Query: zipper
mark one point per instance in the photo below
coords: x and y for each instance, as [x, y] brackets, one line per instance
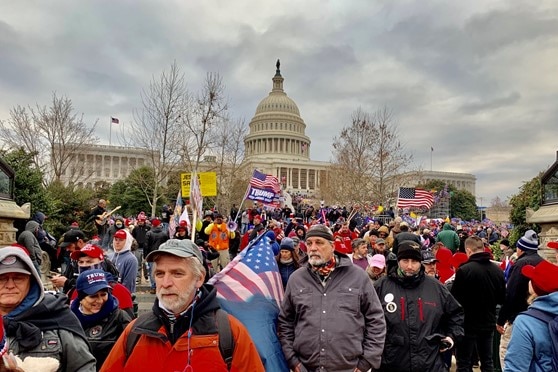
[421, 313]
[402, 304]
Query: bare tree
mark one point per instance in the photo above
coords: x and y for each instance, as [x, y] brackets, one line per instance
[51, 134]
[230, 150]
[157, 128]
[204, 114]
[369, 160]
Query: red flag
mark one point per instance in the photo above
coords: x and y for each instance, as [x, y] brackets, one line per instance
[114, 120]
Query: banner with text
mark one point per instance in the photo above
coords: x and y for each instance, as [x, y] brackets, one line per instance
[207, 181]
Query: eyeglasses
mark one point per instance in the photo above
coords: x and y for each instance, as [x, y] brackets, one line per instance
[18, 279]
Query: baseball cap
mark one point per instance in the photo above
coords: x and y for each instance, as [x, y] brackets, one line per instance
[378, 260]
[92, 281]
[91, 250]
[13, 264]
[428, 257]
[380, 241]
[180, 248]
[120, 234]
[72, 236]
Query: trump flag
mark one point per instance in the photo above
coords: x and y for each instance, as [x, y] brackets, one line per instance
[250, 289]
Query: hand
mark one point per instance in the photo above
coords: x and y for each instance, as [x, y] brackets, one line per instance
[447, 340]
[297, 368]
[58, 281]
[501, 329]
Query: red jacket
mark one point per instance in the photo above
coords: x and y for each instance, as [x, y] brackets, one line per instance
[154, 352]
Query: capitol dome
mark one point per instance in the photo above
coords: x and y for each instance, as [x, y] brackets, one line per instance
[277, 130]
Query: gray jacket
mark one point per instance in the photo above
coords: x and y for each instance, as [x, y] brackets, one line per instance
[28, 239]
[338, 326]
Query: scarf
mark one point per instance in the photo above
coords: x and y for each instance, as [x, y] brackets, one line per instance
[89, 320]
[326, 268]
[285, 262]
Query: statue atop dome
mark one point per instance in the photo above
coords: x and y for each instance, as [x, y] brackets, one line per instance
[278, 65]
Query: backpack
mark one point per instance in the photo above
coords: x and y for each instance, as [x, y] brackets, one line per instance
[552, 321]
[226, 341]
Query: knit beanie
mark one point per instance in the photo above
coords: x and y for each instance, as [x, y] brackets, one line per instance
[529, 241]
[287, 244]
[320, 230]
[409, 249]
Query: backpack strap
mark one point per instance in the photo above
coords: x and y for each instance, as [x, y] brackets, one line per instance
[540, 315]
[226, 341]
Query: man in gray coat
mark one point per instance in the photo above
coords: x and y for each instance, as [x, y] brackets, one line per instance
[331, 317]
[28, 239]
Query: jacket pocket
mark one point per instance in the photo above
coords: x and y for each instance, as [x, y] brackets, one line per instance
[348, 300]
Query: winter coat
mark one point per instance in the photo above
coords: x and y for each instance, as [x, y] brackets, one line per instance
[517, 288]
[530, 347]
[127, 264]
[154, 238]
[286, 270]
[28, 238]
[479, 305]
[139, 233]
[449, 238]
[42, 325]
[102, 329]
[416, 309]
[339, 325]
[165, 347]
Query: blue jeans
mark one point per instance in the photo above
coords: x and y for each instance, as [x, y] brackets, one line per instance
[151, 279]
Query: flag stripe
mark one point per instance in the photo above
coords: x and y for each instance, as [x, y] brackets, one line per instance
[265, 181]
[412, 197]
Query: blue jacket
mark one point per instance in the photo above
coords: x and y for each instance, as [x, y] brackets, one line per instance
[530, 348]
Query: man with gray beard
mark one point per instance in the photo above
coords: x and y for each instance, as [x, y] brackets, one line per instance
[331, 318]
[185, 328]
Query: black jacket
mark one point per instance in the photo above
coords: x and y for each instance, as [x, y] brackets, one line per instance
[420, 308]
[140, 234]
[154, 238]
[479, 286]
[517, 288]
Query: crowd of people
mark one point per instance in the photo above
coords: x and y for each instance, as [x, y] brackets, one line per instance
[376, 295]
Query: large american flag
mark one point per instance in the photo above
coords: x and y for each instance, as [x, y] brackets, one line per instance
[412, 197]
[250, 289]
[253, 272]
[260, 180]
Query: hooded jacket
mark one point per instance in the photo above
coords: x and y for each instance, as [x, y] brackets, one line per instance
[417, 309]
[42, 325]
[530, 347]
[126, 263]
[164, 344]
[449, 238]
[517, 288]
[28, 238]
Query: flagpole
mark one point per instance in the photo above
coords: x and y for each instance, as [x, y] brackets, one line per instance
[242, 202]
[110, 131]
[431, 151]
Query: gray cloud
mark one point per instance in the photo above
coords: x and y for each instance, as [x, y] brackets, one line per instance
[475, 80]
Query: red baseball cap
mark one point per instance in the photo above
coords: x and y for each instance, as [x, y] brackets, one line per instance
[91, 250]
[120, 234]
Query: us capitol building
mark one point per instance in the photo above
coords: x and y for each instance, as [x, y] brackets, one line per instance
[276, 144]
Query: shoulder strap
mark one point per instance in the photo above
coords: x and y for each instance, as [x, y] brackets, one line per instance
[540, 315]
[133, 337]
[226, 341]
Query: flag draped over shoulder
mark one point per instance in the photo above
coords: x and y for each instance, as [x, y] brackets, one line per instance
[411, 197]
[264, 188]
[250, 289]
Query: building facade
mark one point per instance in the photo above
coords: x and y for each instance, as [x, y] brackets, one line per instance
[277, 143]
[93, 164]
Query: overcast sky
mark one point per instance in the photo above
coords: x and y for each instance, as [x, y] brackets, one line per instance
[476, 80]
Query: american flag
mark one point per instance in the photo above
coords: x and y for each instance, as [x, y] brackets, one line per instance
[114, 120]
[175, 219]
[253, 271]
[250, 289]
[260, 180]
[412, 197]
